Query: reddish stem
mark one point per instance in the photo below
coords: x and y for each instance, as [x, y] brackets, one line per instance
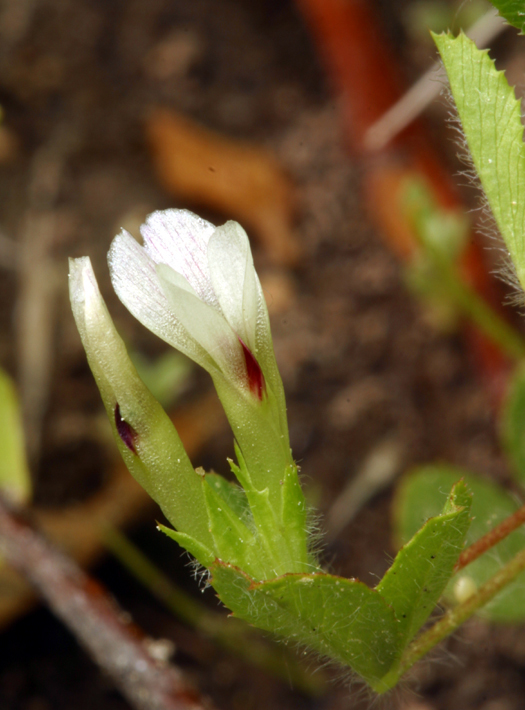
[497, 534]
[365, 74]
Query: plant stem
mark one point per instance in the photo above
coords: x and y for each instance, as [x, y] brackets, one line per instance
[497, 534]
[454, 618]
[231, 634]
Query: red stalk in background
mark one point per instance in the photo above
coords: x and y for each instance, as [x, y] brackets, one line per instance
[363, 71]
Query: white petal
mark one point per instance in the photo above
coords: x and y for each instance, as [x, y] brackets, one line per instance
[179, 239]
[87, 304]
[205, 324]
[166, 273]
[234, 279]
[137, 285]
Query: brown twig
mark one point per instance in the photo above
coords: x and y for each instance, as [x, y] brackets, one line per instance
[118, 646]
[500, 532]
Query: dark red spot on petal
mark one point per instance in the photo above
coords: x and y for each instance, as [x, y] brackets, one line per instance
[255, 375]
[125, 431]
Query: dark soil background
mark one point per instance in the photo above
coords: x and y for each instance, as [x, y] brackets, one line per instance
[365, 371]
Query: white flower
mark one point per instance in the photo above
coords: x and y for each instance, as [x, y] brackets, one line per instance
[195, 286]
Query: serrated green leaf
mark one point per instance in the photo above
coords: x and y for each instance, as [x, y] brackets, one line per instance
[513, 423]
[513, 11]
[423, 567]
[342, 619]
[491, 118]
[421, 495]
[15, 481]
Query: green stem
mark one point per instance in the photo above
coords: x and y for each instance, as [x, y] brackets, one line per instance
[231, 634]
[454, 618]
[477, 310]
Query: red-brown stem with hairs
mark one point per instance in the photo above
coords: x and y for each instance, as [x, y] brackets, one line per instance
[497, 534]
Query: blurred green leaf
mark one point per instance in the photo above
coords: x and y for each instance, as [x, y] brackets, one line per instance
[165, 376]
[15, 481]
[513, 423]
[513, 11]
[421, 495]
[434, 273]
[423, 567]
[439, 15]
[441, 231]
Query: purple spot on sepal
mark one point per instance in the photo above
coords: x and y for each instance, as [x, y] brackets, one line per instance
[125, 431]
[256, 381]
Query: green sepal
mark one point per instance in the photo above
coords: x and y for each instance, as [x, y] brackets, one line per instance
[294, 513]
[341, 619]
[234, 496]
[234, 541]
[423, 567]
[201, 553]
[284, 542]
[239, 469]
[260, 433]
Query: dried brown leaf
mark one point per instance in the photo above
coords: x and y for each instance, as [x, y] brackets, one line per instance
[237, 179]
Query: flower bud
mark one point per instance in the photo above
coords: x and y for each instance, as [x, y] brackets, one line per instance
[144, 433]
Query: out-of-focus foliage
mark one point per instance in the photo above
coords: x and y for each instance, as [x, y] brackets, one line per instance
[15, 481]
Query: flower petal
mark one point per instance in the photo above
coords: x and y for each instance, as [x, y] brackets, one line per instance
[137, 285]
[179, 239]
[234, 280]
[205, 324]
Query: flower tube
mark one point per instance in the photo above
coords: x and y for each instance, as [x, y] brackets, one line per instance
[195, 286]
